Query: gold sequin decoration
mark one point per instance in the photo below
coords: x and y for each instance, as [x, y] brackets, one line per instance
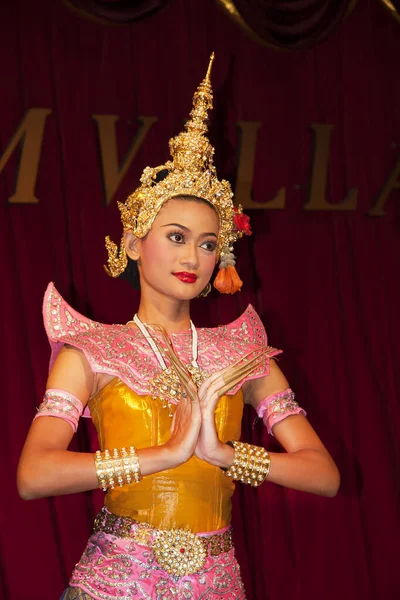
[251, 464]
[167, 387]
[179, 552]
[190, 172]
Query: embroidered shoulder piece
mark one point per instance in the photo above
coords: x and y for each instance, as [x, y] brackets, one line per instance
[121, 350]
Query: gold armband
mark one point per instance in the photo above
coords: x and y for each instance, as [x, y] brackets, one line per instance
[251, 464]
[117, 468]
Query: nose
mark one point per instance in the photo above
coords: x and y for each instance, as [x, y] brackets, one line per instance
[190, 257]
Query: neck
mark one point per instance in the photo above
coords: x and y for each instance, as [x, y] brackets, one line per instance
[173, 315]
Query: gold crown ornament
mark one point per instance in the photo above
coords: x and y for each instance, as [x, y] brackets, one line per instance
[190, 172]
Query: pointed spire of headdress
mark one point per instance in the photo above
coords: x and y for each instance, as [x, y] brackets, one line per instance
[191, 150]
[202, 103]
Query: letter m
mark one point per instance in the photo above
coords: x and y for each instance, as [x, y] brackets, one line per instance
[30, 136]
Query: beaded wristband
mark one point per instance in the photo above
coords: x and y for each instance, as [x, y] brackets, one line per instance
[118, 468]
[251, 464]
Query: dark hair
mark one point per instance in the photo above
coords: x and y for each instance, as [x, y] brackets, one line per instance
[131, 273]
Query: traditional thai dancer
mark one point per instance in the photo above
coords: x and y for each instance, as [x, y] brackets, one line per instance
[167, 398]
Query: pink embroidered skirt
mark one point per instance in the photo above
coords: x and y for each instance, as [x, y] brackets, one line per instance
[115, 567]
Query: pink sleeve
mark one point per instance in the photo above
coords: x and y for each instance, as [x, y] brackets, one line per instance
[277, 407]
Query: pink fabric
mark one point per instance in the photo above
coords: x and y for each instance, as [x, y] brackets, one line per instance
[61, 404]
[113, 567]
[277, 407]
[109, 348]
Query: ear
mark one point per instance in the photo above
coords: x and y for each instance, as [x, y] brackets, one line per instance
[132, 245]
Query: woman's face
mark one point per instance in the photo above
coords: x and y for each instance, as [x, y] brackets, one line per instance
[178, 255]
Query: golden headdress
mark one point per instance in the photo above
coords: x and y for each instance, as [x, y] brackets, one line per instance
[190, 172]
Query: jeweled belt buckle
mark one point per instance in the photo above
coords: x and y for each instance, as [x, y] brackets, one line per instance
[179, 551]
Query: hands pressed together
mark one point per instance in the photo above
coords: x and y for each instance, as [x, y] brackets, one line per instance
[193, 430]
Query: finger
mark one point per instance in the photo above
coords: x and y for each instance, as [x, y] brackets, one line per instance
[243, 370]
[231, 374]
[207, 383]
[247, 359]
[190, 390]
[173, 358]
[209, 395]
[172, 428]
[230, 384]
[228, 378]
[176, 365]
[225, 382]
[257, 354]
[251, 361]
[196, 417]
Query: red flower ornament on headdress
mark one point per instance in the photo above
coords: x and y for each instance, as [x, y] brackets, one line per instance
[241, 221]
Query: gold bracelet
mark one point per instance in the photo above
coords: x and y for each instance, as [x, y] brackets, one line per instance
[251, 464]
[118, 468]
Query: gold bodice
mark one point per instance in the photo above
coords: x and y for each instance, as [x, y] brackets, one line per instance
[196, 494]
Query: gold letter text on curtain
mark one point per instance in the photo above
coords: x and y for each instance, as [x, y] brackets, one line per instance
[393, 182]
[317, 199]
[30, 134]
[112, 173]
[245, 172]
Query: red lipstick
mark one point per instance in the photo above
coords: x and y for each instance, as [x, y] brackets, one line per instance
[186, 277]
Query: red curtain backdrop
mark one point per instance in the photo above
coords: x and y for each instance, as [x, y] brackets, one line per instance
[326, 284]
[117, 11]
[283, 24]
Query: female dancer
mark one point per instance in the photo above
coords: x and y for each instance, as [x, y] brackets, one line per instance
[166, 398]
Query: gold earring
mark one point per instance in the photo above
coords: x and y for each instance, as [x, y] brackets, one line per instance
[206, 291]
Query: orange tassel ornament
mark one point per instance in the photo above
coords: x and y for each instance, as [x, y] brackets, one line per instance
[228, 281]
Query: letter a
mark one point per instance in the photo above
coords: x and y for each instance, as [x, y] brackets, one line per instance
[392, 183]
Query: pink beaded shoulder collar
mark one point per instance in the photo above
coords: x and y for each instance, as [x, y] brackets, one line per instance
[121, 351]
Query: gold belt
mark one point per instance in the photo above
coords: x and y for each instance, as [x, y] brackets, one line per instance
[179, 551]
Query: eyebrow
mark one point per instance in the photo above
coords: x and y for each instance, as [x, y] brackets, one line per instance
[187, 228]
